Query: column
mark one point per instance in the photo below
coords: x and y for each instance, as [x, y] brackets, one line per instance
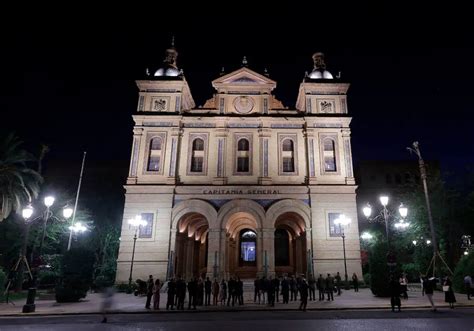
[346, 139]
[213, 252]
[133, 174]
[268, 238]
[189, 248]
[264, 141]
[172, 171]
[309, 136]
[221, 139]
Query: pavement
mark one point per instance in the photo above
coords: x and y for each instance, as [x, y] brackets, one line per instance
[128, 303]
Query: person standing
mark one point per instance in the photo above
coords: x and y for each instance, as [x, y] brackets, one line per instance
[171, 291]
[338, 283]
[207, 290]
[355, 282]
[192, 293]
[404, 286]
[303, 293]
[180, 293]
[330, 287]
[394, 289]
[468, 286]
[312, 288]
[149, 291]
[448, 292]
[223, 292]
[276, 286]
[429, 285]
[256, 288]
[107, 302]
[215, 292]
[285, 289]
[156, 294]
[321, 283]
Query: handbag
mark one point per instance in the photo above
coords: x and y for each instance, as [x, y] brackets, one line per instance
[445, 288]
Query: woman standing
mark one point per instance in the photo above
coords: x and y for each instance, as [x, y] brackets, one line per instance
[448, 292]
[156, 294]
[223, 292]
[215, 291]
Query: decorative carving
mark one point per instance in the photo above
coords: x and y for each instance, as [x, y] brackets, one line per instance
[276, 104]
[159, 103]
[210, 103]
[244, 104]
[326, 106]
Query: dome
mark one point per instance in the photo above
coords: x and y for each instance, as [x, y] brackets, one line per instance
[168, 72]
[320, 74]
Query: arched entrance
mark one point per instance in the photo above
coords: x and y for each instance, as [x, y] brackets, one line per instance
[191, 246]
[290, 244]
[242, 245]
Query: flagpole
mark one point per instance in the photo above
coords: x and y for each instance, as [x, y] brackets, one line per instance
[77, 199]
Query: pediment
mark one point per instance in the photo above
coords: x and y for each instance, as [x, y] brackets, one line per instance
[244, 77]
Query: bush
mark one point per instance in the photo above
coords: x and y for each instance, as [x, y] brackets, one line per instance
[379, 271]
[464, 267]
[77, 268]
[103, 281]
[123, 287]
[3, 280]
[48, 279]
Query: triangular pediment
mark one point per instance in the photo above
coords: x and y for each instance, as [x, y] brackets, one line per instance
[244, 77]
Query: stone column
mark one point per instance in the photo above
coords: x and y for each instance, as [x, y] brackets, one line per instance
[268, 238]
[309, 137]
[133, 173]
[213, 253]
[172, 171]
[264, 141]
[346, 139]
[189, 257]
[171, 271]
[221, 138]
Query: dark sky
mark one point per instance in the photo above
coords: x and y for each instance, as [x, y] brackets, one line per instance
[73, 87]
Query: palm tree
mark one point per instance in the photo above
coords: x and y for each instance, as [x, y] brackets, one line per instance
[18, 183]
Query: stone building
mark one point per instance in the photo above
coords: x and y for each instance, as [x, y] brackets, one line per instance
[241, 186]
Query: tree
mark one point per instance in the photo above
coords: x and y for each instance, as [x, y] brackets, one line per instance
[18, 183]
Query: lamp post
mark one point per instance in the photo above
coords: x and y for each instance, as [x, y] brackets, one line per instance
[30, 306]
[48, 202]
[134, 223]
[76, 228]
[384, 215]
[343, 221]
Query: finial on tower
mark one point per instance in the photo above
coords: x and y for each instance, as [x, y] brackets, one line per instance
[172, 41]
[244, 62]
[222, 71]
[266, 73]
[319, 69]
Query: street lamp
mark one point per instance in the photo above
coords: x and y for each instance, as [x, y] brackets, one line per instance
[366, 236]
[76, 228]
[384, 215]
[48, 202]
[135, 223]
[30, 306]
[343, 221]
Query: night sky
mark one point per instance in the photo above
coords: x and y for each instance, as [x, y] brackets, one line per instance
[78, 92]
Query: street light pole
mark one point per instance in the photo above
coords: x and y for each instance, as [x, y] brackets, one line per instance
[48, 202]
[77, 199]
[344, 249]
[343, 221]
[133, 257]
[136, 223]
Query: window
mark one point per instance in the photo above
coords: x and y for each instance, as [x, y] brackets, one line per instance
[248, 244]
[334, 229]
[197, 157]
[282, 248]
[154, 156]
[243, 155]
[329, 151]
[147, 230]
[288, 157]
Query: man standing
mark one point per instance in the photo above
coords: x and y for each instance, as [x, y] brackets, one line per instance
[338, 283]
[355, 282]
[312, 288]
[330, 287]
[429, 285]
[149, 291]
[303, 293]
[321, 283]
[468, 286]
[207, 289]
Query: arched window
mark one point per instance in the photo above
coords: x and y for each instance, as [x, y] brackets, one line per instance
[243, 155]
[282, 248]
[288, 156]
[329, 148]
[197, 157]
[154, 156]
[248, 246]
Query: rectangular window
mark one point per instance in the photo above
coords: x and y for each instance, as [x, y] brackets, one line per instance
[288, 164]
[147, 230]
[242, 164]
[334, 229]
[247, 251]
[329, 163]
[197, 164]
[154, 163]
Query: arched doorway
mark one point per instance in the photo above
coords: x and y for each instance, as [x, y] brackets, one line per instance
[191, 246]
[242, 245]
[290, 245]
